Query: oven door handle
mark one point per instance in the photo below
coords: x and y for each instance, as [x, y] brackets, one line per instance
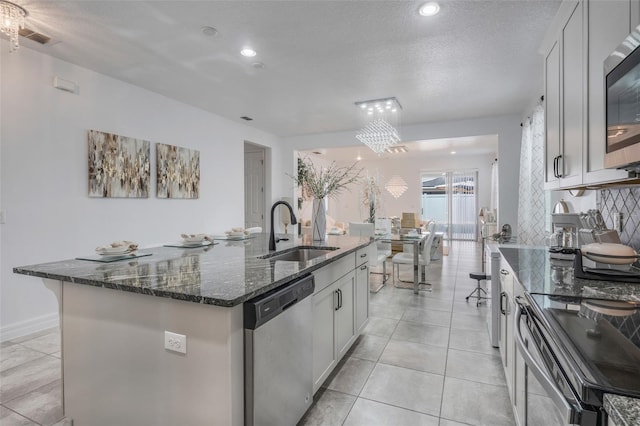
[559, 399]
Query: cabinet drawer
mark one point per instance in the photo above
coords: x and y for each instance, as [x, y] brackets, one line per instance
[364, 255]
[333, 272]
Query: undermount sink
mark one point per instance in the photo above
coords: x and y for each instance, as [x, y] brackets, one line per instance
[299, 254]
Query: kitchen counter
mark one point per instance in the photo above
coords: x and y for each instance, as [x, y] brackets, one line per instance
[541, 275]
[226, 274]
[622, 411]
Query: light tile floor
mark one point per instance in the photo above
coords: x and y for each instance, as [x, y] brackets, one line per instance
[423, 359]
[31, 380]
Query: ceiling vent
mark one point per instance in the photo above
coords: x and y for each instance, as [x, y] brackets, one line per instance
[397, 149]
[32, 35]
[245, 118]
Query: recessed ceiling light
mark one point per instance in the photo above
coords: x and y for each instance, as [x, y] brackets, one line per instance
[209, 31]
[258, 65]
[429, 9]
[453, 152]
[358, 158]
[248, 52]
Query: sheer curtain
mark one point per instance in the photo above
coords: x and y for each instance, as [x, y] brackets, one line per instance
[494, 186]
[531, 204]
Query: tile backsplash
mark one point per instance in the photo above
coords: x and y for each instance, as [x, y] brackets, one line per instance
[611, 202]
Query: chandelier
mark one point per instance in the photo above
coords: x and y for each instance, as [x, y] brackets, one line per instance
[396, 186]
[380, 118]
[12, 19]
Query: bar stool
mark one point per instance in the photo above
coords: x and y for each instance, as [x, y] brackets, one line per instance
[478, 291]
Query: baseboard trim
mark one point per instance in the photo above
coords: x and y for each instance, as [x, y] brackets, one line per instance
[23, 328]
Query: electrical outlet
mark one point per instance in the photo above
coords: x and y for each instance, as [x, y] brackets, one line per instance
[175, 342]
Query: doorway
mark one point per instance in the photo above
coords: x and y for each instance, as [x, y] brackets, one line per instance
[450, 198]
[254, 185]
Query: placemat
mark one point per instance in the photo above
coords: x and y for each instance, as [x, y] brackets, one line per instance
[109, 259]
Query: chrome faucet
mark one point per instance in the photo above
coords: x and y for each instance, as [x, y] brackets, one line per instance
[272, 240]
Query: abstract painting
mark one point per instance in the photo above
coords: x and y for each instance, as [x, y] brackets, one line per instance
[119, 166]
[178, 172]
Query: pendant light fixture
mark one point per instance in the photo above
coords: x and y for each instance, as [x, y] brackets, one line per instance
[12, 19]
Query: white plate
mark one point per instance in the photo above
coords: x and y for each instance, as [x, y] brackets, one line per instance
[615, 254]
[195, 244]
[193, 238]
[617, 308]
[113, 251]
[109, 256]
[234, 234]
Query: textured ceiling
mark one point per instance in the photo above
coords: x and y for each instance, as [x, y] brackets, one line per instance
[474, 59]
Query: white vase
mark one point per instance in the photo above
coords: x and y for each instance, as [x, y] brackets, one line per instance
[319, 220]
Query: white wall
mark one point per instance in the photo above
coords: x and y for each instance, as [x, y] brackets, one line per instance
[509, 140]
[44, 174]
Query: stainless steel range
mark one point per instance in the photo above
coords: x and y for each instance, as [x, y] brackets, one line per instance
[578, 339]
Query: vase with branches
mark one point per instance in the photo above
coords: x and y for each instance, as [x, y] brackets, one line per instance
[371, 197]
[321, 182]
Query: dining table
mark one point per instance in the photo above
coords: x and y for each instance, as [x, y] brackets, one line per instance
[418, 240]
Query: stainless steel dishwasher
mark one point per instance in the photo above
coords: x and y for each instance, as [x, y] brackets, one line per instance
[278, 354]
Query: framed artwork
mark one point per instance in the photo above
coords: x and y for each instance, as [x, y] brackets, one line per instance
[119, 166]
[178, 172]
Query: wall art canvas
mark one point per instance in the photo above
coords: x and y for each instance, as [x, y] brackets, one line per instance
[119, 167]
[178, 172]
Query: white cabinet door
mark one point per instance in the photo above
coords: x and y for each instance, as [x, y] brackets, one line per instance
[507, 345]
[519, 370]
[572, 99]
[609, 23]
[345, 315]
[552, 115]
[324, 353]
[362, 297]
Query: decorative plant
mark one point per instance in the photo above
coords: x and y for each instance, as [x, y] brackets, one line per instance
[371, 196]
[321, 182]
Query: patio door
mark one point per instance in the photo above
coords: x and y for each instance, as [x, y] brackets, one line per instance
[450, 198]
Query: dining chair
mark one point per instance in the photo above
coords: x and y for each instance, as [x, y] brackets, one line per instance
[357, 229]
[406, 258]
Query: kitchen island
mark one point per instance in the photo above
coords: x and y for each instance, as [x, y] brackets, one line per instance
[113, 317]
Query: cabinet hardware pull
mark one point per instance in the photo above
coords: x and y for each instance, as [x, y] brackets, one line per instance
[339, 299]
[502, 296]
[363, 267]
[504, 272]
[363, 255]
[555, 167]
[336, 303]
[559, 172]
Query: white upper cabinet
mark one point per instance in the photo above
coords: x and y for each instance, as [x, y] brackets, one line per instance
[564, 111]
[581, 37]
[609, 22]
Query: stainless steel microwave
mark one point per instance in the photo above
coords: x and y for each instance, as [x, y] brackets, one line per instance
[622, 94]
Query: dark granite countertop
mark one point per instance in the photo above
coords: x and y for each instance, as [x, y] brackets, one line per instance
[622, 410]
[226, 274]
[539, 274]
